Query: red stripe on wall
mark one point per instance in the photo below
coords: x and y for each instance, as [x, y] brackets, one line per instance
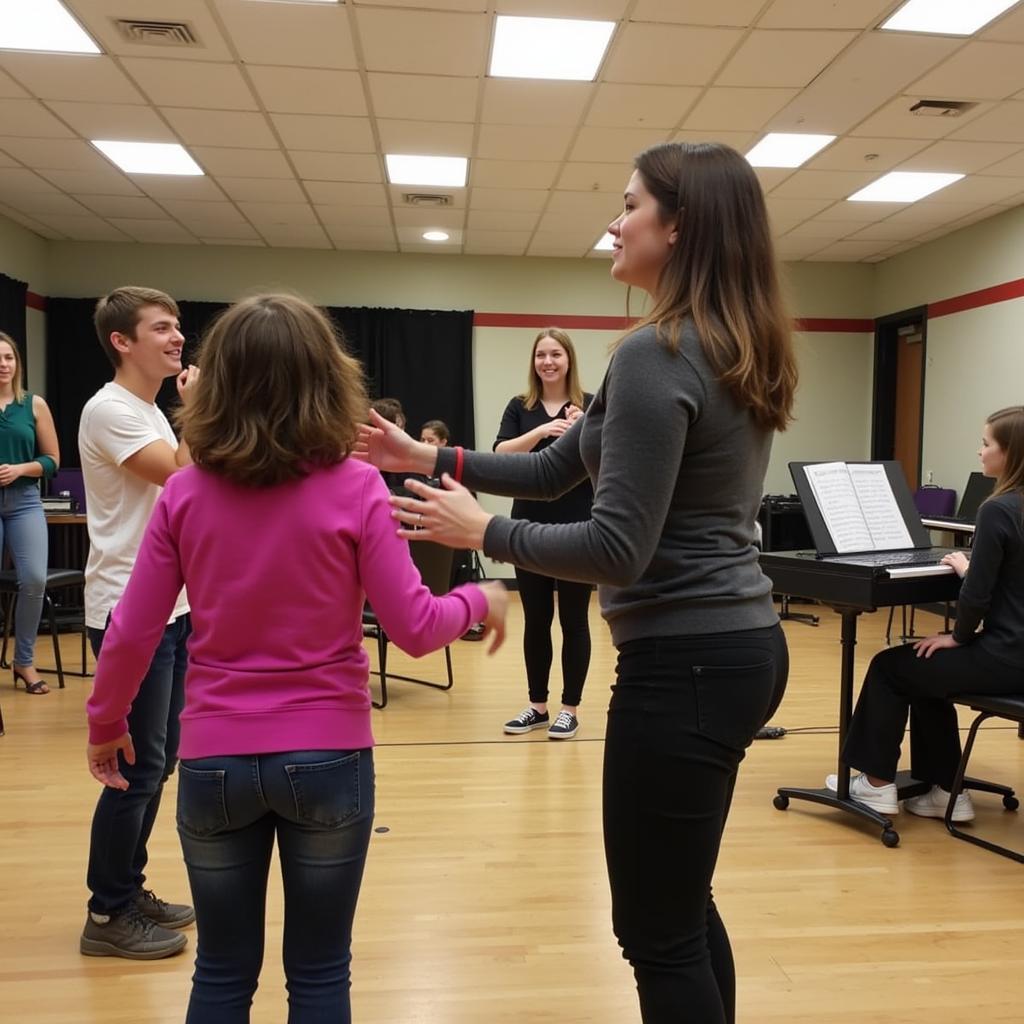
[834, 325]
[34, 301]
[973, 300]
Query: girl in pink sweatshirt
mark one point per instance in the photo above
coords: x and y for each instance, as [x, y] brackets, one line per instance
[279, 538]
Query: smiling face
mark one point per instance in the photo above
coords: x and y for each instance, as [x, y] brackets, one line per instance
[155, 349]
[550, 362]
[641, 241]
[993, 457]
[8, 364]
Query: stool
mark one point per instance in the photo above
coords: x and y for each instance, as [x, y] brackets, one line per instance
[56, 579]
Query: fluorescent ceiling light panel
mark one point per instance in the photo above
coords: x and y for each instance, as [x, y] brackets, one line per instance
[558, 48]
[903, 187]
[148, 157]
[605, 244]
[449, 171]
[42, 25]
[948, 17]
[785, 149]
[436, 236]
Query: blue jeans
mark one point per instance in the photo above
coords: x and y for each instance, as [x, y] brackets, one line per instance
[123, 819]
[319, 805]
[23, 528]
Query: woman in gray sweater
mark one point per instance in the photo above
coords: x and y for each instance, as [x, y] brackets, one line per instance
[676, 443]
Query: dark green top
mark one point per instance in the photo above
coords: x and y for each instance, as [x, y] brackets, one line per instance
[18, 442]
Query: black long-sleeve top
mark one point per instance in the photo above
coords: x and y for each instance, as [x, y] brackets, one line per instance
[993, 588]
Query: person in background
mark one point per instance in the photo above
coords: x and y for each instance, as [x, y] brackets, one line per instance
[435, 432]
[552, 402]
[28, 453]
[391, 410]
[917, 679]
[676, 442]
[280, 537]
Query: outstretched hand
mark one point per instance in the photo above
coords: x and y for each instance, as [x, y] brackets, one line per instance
[103, 764]
[385, 445]
[497, 609]
[449, 516]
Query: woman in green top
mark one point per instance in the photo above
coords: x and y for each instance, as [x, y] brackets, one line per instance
[28, 452]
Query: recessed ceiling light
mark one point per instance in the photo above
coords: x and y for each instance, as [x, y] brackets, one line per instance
[426, 170]
[44, 25]
[436, 236]
[559, 48]
[786, 149]
[148, 157]
[948, 17]
[606, 243]
[903, 187]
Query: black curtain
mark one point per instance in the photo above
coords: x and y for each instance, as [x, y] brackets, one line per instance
[12, 315]
[422, 357]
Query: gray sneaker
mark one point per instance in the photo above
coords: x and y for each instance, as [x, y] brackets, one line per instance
[167, 915]
[129, 934]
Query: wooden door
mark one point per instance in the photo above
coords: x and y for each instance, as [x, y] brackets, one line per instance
[909, 388]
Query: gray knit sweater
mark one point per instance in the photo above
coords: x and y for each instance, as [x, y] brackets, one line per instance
[678, 470]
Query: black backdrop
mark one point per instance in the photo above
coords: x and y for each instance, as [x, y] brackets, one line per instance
[12, 314]
[422, 357]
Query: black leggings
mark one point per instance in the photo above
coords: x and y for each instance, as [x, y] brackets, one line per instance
[538, 596]
[683, 711]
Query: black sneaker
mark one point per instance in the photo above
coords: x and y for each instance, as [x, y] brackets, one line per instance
[526, 720]
[129, 934]
[474, 632]
[564, 726]
[167, 915]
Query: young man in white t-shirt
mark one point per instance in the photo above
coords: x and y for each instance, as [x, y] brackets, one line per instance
[128, 451]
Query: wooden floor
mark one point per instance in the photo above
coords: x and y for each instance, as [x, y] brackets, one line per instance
[485, 899]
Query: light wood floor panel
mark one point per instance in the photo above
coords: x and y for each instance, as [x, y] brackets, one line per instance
[486, 899]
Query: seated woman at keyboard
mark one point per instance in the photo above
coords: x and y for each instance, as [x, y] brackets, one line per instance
[917, 679]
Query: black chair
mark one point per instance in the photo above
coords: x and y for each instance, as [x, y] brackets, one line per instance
[56, 579]
[1008, 707]
[434, 562]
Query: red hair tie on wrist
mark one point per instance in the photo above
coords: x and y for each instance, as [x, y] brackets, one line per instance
[458, 463]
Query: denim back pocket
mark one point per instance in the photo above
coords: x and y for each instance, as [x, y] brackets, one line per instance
[202, 809]
[733, 700]
[326, 793]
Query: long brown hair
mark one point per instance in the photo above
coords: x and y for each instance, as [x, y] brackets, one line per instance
[17, 382]
[1007, 429]
[722, 273]
[277, 393]
[534, 386]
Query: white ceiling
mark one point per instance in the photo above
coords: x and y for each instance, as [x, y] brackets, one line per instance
[288, 107]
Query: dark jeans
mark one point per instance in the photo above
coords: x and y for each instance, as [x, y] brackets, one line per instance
[683, 711]
[123, 819]
[898, 682]
[319, 805]
[537, 594]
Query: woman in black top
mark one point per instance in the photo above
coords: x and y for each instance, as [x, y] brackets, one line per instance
[553, 401]
[918, 679]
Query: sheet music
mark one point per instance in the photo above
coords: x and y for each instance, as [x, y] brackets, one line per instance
[837, 500]
[881, 513]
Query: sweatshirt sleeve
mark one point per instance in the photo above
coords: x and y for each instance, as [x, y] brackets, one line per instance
[412, 617]
[651, 396]
[136, 626]
[990, 537]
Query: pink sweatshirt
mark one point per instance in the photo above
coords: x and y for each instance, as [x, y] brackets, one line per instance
[276, 579]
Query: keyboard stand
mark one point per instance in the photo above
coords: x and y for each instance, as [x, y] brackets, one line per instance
[787, 616]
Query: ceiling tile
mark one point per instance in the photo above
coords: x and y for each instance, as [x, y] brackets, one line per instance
[410, 217]
[848, 250]
[309, 90]
[429, 138]
[697, 12]
[88, 229]
[263, 190]
[394, 41]
[297, 236]
[640, 106]
[557, 243]
[517, 101]
[55, 154]
[895, 120]
[889, 231]
[123, 206]
[397, 194]
[737, 109]
[526, 200]
[1013, 167]
[819, 227]
[295, 35]
[356, 237]
[669, 54]
[512, 173]
[596, 177]
[337, 166]
[344, 192]
[815, 14]
[5, 160]
[193, 210]
[823, 184]
[330, 134]
[978, 71]
[787, 213]
[112, 121]
[30, 119]
[978, 188]
[782, 58]
[1010, 27]
[770, 177]
[1003, 124]
[65, 76]
[175, 186]
[959, 157]
[501, 220]
[341, 243]
[347, 216]
[496, 243]
[594, 207]
[423, 97]
[602, 10]
[252, 242]
[279, 215]
[507, 142]
[855, 154]
[862, 213]
[161, 231]
[201, 84]
[236, 231]
[47, 202]
[18, 180]
[97, 183]
[597, 145]
[740, 141]
[242, 163]
[9, 88]
[211, 127]
[434, 5]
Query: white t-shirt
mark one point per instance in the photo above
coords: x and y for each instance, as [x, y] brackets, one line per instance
[116, 424]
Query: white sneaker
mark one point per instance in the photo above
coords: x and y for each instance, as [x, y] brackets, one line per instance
[883, 799]
[933, 805]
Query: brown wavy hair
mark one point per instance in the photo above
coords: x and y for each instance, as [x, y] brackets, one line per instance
[277, 394]
[1007, 429]
[17, 378]
[534, 387]
[119, 312]
[722, 274]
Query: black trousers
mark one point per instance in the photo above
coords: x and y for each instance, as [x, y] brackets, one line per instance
[683, 712]
[537, 594]
[898, 682]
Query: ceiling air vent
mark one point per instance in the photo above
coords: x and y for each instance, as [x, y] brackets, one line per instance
[427, 199]
[156, 33]
[941, 108]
